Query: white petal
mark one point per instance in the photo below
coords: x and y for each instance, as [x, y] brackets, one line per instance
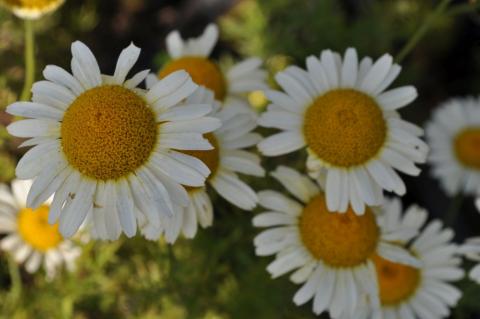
[230, 187]
[349, 68]
[177, 170]
[47, 182]
[377, 73]
[178, 85]
[34, 110]
[69, 186]
[298, 185]
[127, 59]
[134, 81]
[84, 66]
[397, 98]
[74, 214]
[185, 112]
[34, 127]
[125, 208]
[156, 190]
[174, 44]
[61, 77]
[281, 143]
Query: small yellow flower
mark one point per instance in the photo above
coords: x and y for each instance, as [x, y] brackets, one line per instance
[31, 9]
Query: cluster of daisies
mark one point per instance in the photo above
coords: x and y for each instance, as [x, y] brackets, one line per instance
[125, 154]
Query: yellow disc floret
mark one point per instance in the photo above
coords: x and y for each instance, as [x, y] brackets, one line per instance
[397, 282]
[467, 147]
[211, 158]
[338, 239]
[203, 72]
[35, 230]
[108, 132]
[345, 128]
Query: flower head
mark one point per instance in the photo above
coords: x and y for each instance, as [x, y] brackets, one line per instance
[423, 292]
[108, 150]
[454, 136]
[30, 239]
[339, 110]
[193, 56]
[332, 254]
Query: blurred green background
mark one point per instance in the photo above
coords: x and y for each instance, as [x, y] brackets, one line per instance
[216, 275]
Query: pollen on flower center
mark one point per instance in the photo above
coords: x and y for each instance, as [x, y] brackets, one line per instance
[203, 72]
[345, 127]
[211, 158]
[338, 239]
[108, 132]
[397, 282]
[467, 147]
[34, 228]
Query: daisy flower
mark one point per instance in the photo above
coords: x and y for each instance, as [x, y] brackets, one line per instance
[339, 110]
[333, 254]
[416, 293]
[29, 238]
[454, 136]
[471, 250]
[229, 86]
[31, 9]
[108, 149]
[224, 161]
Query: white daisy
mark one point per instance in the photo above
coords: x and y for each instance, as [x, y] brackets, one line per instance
[355, 138]
[332, 253]
[30, 239]
[107, 149]
[224, 161]
[229, 86]
[31, 9]
[416, 293]
[454, 137]
[471, 250]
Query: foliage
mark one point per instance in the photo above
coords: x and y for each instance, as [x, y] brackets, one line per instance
[217, 275]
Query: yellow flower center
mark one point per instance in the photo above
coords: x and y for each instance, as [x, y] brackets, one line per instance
[338, 239]
[108, 132]
[203, 72]
[467, 147]
[345, 127]
[32, 4]
[211, 158]
[35, 230]
[397, 282]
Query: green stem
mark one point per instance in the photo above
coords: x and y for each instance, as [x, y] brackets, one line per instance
[451, 214]
[29, 60]
[16, 284]
[422, 30]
